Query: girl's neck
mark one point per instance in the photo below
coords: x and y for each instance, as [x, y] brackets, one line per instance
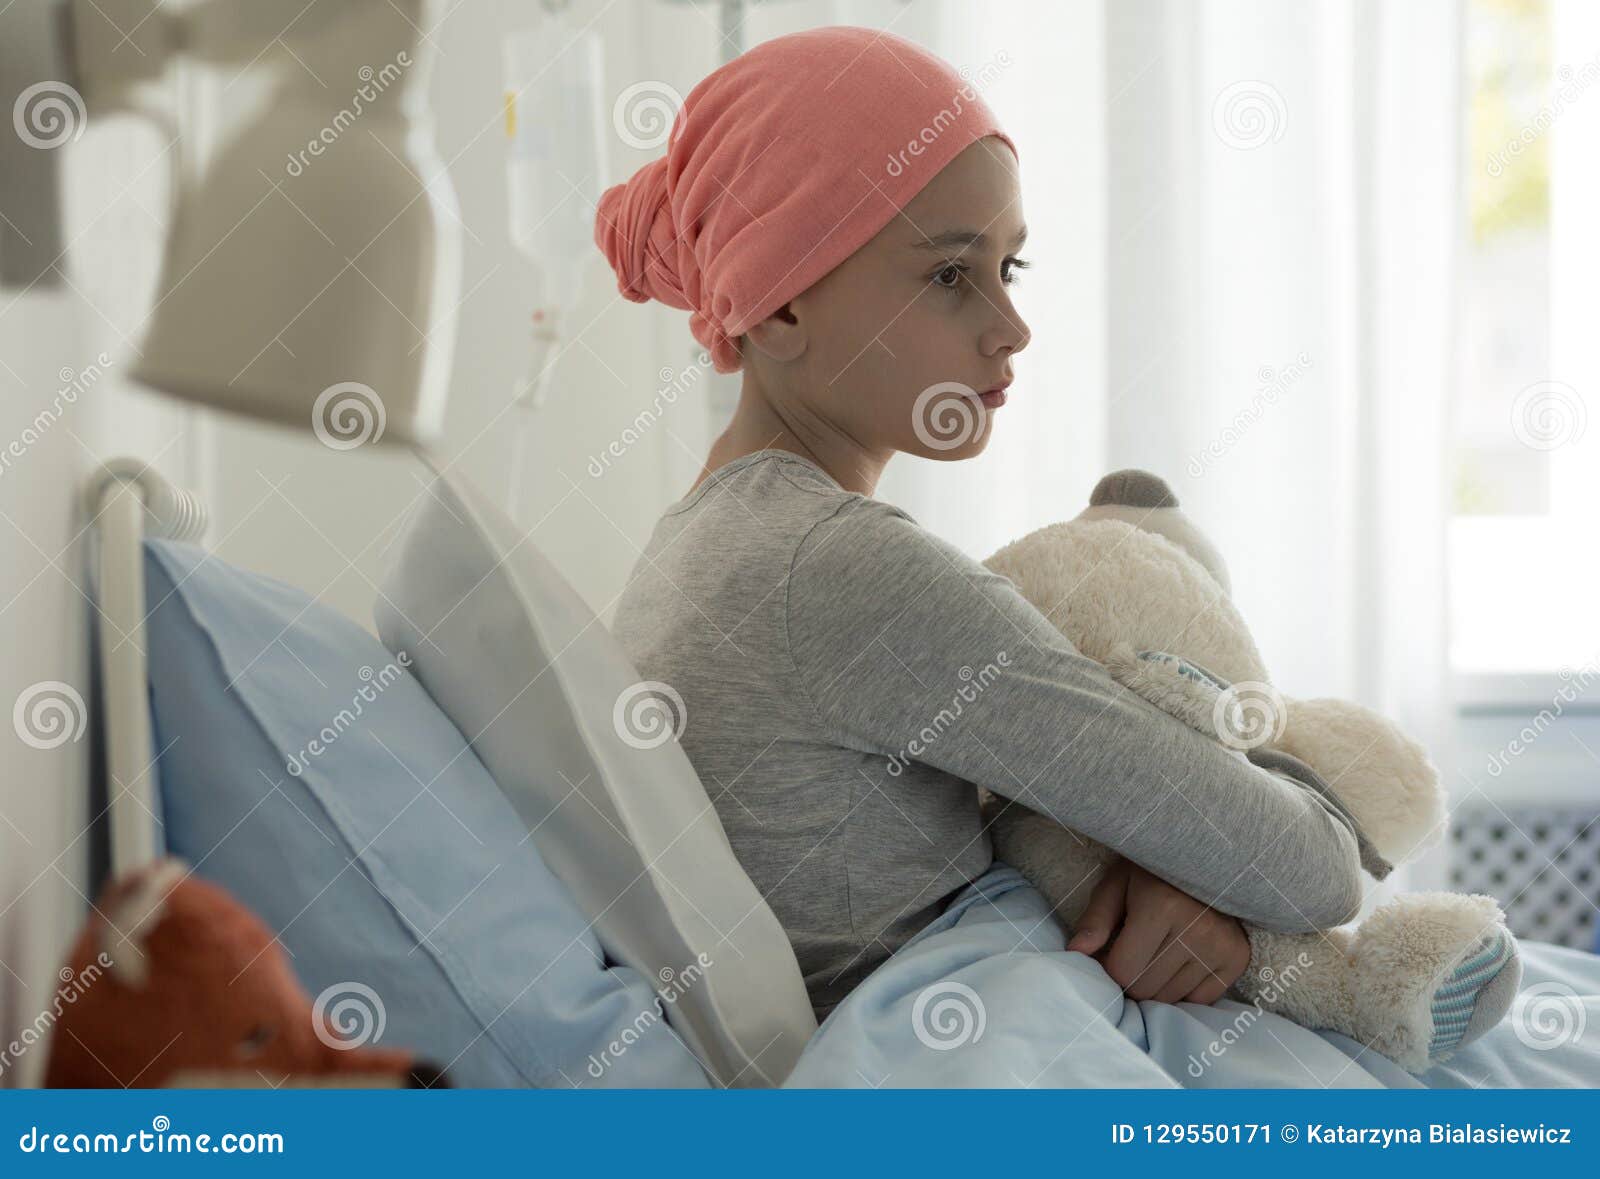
[757, 424]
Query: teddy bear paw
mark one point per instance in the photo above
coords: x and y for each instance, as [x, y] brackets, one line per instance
[1432, 972]
[1474, 995]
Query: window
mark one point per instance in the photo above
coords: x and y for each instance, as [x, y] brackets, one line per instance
[1524, 547]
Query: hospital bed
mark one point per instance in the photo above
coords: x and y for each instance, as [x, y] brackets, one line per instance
[484, 826]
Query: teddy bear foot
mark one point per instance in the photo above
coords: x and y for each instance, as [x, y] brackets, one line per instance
[1462, 968]
[1477, 995]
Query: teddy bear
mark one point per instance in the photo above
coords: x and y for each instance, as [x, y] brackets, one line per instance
[175, 983]
[1135, 586]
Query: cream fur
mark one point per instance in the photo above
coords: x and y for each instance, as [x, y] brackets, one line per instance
[1115, 589]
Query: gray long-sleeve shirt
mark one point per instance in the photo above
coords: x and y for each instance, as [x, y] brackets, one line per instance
[848, 677]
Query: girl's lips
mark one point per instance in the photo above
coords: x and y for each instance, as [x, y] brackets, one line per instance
[993, 398]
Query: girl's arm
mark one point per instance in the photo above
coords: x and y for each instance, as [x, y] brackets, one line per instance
[908, 648]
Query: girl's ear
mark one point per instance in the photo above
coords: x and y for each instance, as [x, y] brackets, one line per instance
[781, 335]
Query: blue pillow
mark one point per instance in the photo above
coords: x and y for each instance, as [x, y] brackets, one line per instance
[304, 769]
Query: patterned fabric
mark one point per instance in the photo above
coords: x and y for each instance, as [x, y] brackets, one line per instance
[1453, 1002]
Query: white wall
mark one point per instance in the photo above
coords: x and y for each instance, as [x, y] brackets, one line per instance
[52, 435]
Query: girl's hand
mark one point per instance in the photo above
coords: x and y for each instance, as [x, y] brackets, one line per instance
[1163, 944]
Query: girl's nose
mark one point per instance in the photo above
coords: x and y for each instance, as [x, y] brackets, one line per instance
[1009, 330]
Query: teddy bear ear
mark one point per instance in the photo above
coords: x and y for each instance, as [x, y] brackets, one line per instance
[132, 909]
[1147, 501]
[1133, 488]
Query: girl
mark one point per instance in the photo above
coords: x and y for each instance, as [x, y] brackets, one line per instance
[840, 214]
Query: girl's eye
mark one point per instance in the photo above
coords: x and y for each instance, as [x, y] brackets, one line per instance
[953, 274]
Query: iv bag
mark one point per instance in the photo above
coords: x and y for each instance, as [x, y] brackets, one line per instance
[555, 112]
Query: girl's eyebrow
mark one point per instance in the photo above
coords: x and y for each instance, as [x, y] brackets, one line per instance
[962, 238]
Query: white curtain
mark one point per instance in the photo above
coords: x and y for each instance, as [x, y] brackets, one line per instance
[1265, 199]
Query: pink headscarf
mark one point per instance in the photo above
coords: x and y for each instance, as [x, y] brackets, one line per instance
[779, 166]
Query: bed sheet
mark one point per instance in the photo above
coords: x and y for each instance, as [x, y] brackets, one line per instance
[987, 996]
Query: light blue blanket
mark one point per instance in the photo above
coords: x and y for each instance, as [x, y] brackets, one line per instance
[987, 995]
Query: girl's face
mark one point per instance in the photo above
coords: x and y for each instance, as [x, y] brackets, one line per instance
[898, 343]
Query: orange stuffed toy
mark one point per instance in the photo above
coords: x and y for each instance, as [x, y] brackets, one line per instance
[180, 984]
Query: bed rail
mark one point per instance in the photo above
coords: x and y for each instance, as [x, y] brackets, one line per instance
[127, 501]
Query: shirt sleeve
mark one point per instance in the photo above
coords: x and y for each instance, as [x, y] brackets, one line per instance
[908, 648]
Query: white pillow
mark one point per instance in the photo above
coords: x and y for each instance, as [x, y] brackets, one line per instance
[524, 668]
